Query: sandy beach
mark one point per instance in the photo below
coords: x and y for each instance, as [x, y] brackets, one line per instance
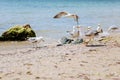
[53, 20]
[67, 62]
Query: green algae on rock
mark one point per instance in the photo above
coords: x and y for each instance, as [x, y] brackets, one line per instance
[18, 33]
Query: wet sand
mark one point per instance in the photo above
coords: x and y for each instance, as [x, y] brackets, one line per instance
[67, 62]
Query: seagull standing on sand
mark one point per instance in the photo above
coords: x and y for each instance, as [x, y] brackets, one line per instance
[88, 29]
[99, 29]
[113, 28]
[35, 41]
[74, 33]
[92, 33]
[66, 14]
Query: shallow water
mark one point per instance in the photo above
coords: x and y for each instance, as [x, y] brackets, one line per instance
[16, 45]
[13, 45]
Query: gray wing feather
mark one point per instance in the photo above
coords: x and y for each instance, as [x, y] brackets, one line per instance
[60, 14]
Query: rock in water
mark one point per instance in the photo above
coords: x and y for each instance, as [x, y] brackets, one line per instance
[18, 33]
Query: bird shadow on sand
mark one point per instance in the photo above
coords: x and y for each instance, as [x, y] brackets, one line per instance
[95, 45]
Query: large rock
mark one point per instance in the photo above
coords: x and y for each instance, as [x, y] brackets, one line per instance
[18, 33]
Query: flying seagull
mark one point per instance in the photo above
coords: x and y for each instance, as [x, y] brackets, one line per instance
[66, 14]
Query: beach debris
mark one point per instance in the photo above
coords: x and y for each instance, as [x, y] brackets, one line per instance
[59, 45]
[29, 73]
[18, 33]
[37, 77]
[66, 14]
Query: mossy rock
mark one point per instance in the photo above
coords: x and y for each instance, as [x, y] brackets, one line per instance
[18, 33]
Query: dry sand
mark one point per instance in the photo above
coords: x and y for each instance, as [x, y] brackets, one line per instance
[67, 62]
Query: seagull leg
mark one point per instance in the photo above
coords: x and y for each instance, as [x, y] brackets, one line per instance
[39, 45]
[36, 45]
[33, 45]
[91, 40]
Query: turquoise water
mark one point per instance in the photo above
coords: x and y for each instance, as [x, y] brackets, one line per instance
[39, 14]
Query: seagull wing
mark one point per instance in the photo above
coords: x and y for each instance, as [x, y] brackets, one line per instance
[89, 33]
[60, 14]
[74, 16]
[112, 28]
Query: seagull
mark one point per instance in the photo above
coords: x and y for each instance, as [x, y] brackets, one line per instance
[66, 14]
[112, 28]
[75, 33]
[93, 33]
[35, 40]
[88, 29]
[99, 29]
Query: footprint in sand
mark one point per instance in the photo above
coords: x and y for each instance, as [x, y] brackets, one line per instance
[29, 73]
[115, 78]
[37, 77]
[117, 62]
[20, 73]
[28, 64]
[16, 79]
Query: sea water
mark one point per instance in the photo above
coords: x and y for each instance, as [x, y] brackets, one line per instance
[39, 14]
